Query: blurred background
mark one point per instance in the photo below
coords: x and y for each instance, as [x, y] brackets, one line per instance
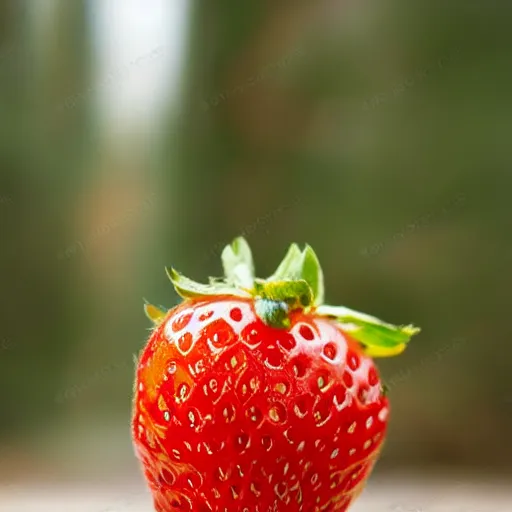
[135, 134]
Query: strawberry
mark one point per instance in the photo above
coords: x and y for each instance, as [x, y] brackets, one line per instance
[254, 396]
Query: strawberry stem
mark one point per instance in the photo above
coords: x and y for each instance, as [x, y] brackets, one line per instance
[273, 313]
[275, 299]
[297, 283]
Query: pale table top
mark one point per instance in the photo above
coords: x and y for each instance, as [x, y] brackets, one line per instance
[397, 494]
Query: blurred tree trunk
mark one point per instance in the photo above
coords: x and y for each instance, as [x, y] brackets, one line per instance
[41, 143]
[231, 147]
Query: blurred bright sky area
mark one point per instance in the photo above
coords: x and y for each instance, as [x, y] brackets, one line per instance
[138, 48]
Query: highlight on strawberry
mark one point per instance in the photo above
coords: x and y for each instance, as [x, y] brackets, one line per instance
[252, 395]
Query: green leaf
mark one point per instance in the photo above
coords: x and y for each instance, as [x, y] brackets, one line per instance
[303, 265]
[289, 268]
[189, 289]
[379, 338]
[155, 314]
[238, 264]
[311, 272]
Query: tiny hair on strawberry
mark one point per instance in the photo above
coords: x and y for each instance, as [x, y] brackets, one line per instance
[253, 395]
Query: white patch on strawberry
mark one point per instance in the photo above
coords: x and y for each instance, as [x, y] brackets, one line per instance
[202, 316]
[383, 414]
[361, 377]
[345, 403]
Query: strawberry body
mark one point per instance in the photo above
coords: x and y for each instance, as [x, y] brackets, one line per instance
[233, 414]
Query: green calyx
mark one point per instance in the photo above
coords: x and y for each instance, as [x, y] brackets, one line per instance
[297, 284]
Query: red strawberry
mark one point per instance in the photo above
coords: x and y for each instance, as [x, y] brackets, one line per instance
[252, 396]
